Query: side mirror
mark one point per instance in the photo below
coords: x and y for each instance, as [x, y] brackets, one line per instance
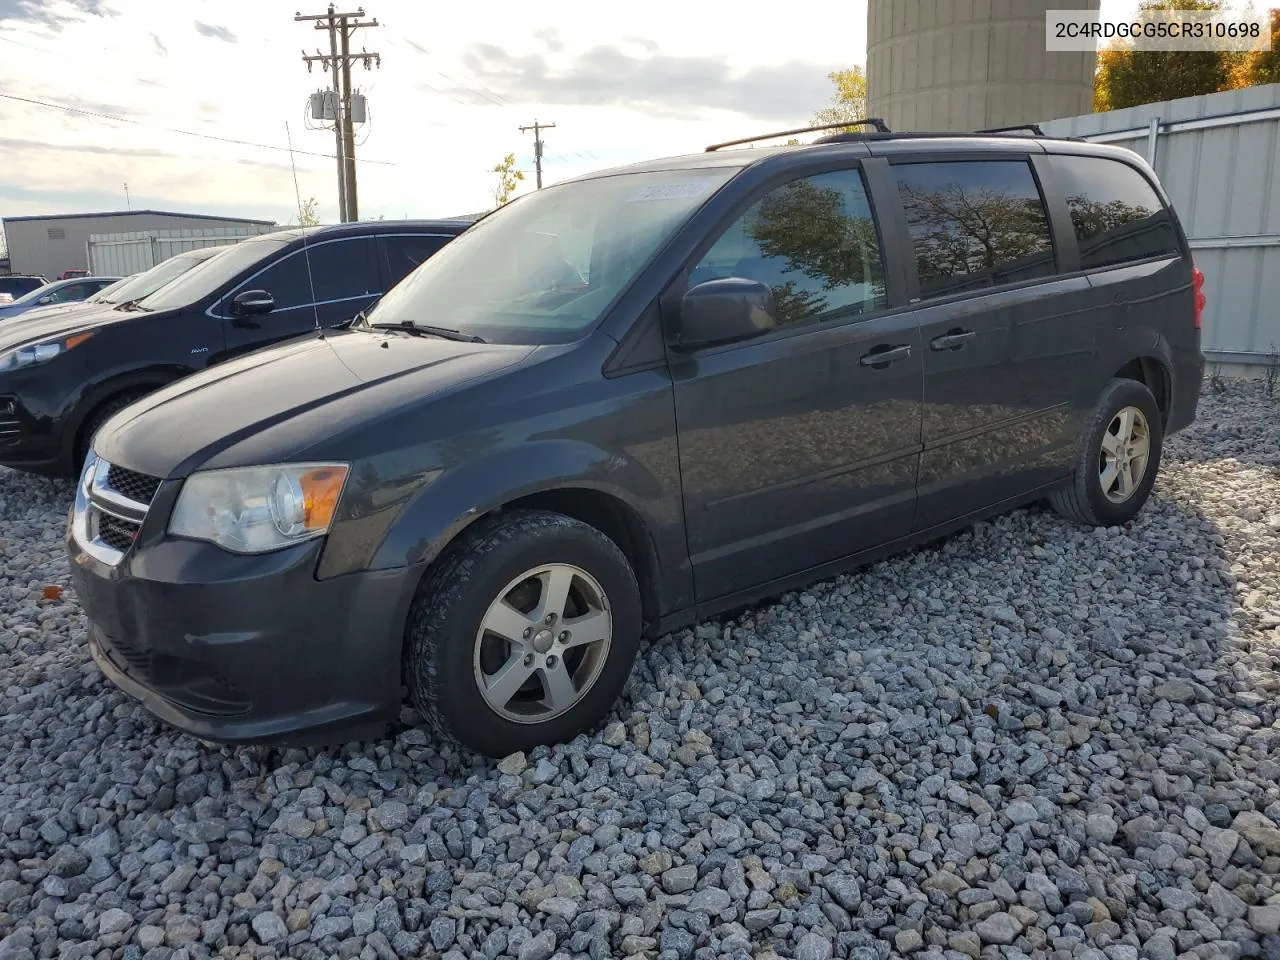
[48, 298]
[249, 303]
[722, 311]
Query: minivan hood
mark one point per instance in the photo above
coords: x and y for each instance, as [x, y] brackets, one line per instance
[17, 331]
[268, 405]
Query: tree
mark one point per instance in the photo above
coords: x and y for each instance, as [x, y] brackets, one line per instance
[508, 179]
[307, 216]
[1127, 78]
[958, 231]
[849, 102]
[1261, 66]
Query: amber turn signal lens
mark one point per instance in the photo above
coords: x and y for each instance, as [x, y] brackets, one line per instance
[321, 489]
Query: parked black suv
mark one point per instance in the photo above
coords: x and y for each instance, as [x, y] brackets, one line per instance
[61, 376]
[622, 404]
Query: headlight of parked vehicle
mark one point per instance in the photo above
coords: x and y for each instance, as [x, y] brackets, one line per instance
[259, 509]
[36, 353]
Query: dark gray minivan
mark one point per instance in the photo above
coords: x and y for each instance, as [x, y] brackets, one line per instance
[625, 403]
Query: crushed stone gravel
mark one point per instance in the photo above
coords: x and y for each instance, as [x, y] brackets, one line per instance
[1030, 740]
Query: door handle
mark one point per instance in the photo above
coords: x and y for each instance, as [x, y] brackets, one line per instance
[953, 339]
[883, 355]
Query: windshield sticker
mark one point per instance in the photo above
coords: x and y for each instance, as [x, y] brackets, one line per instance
[687, 190]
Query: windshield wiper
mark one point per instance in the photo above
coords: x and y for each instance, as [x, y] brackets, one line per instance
[130, 305]
[444, 333]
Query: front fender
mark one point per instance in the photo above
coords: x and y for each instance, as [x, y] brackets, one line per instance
[446, 506]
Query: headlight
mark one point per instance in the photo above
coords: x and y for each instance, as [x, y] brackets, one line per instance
[259, 509]
[35, 353]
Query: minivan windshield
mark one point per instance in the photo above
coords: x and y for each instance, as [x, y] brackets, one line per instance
[222, 267]
[545, 268]
[149, 281]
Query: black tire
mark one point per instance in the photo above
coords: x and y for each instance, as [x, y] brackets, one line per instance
[95, 420]
[442, 635]
[1083, 499]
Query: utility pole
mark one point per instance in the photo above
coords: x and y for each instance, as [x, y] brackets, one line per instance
[341, 27]
[537, 129]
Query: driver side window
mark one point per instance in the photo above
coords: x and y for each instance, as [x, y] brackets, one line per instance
[813, 242]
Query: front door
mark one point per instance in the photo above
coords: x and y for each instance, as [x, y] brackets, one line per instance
[801, 446]
[320, 285]
[1004, 337]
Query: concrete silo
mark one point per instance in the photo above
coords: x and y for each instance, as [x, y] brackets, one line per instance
[960, 65]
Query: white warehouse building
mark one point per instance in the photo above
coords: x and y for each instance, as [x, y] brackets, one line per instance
[49, 245]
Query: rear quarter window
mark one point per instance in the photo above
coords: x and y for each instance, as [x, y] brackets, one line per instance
[1116, 213]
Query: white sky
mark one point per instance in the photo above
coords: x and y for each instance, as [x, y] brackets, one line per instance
[621, 81]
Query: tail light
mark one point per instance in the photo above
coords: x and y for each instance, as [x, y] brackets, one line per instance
[1197, 284]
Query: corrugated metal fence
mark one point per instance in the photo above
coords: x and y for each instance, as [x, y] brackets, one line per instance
[1217, 158]
[122, 254]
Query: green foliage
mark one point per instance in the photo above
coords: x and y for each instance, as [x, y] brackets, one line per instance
[1262, 66]
[849, 102]
[1126, 78]
[509, 179]
[307, 216]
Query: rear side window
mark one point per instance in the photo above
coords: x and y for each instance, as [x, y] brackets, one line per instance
[404, 253]
[1116, 213]
[813, 242]
[975, 224]
[337, 270]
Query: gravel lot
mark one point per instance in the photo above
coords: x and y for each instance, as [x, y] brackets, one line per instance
[1032, 740]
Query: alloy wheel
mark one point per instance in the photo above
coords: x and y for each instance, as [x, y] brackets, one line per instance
[1126, 450]
[542, 643]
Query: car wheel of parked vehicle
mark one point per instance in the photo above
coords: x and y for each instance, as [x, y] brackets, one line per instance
[525, 634]
[1118, 460]
[96, 420]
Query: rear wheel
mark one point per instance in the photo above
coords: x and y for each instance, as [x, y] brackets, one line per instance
[1118, 458]
[524, 635]
[95, 420]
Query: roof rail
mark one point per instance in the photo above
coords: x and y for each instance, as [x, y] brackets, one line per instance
[880, 125]
[1032, 127]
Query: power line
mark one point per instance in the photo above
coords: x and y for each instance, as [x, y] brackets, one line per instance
[186, 133]
[479, 90]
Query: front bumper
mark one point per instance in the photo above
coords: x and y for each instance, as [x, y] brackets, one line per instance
[28, 442]
[247, 649]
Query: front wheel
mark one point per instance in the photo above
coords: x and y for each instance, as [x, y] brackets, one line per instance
[524, 635]
[1118, 458]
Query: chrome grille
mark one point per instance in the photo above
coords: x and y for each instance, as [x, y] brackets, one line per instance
[9, 427]
[116, 532]
[111, 504]
[136, 486]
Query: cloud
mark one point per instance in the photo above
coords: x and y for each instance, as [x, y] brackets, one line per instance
[164, 51]
[549, 38]
[41, 201]
[658, 85]
[75, 103]
[39, 146]
[215, 31]
[648, 45]
[53, 14]
[21, 146]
